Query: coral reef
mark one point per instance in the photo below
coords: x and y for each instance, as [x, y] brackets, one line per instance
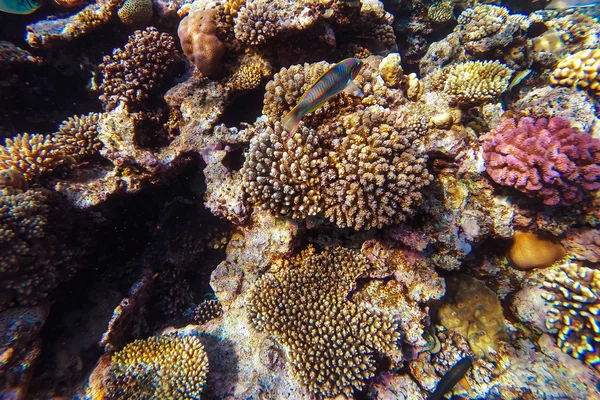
[529, 251]
[78, 136]
[31, 155]
[160, 367]
[581, 69]
[543, 158]
[135, 12]
[574, 297]
[441, 11]
[253, 69]
[131, 74]
[198, 36]
[207, 310]
[330, 340]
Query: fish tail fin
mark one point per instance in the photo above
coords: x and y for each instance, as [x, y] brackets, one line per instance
[291, 121]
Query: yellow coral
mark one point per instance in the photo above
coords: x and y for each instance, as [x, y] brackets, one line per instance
[575, 300]
[482, 21]
[32, 155]
[441, 11]
[135, 12]
[171, 366]
[77, 136]
[530, 251]
[253, 69]
[581, 69]
[330, 340]
[391, 70]
[473, 82]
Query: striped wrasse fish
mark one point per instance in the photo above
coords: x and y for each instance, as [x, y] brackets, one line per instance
[337, 79]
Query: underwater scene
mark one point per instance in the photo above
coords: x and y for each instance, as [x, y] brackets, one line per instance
[299, 199]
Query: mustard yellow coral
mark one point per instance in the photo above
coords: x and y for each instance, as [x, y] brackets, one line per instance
[171, 366]
[574, 295]
[441, 11]
[77, 136]
[253, 69]
[135, 12]
[330, 340]
[473, 82]
[581, 69]
[32, 155]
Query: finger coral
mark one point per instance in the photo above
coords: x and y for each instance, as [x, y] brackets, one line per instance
[282, 175]
[78, 136]
[31, 155]
[331, 342]
[131, 74]
[543, 158]
[375, 171]
[198, 36]
[581, 69]
[473, 82]
[171, 366]
[575, 300]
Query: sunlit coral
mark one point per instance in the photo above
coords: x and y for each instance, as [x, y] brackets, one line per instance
[32, 155]
[575, 300]
[331, 341]
[581, 69]
[78, 136]
[251, 72]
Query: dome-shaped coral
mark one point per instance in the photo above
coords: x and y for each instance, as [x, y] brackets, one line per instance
[581, 69]
[198, 36]
[171, 366]
[543, 158]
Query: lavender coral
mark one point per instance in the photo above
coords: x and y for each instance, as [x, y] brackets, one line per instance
[543, 158]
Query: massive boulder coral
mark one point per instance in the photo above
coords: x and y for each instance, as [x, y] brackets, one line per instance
[581, 69]
[575, 299]
[160, 367]
[131, 74]
[331, 342]
[543, 158]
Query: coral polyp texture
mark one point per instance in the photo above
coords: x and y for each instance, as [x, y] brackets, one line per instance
[170, 366]
[574, 297]
[198, 37]
[32, 155]
[330, 341]
[581, 70]
[78, 136]
[543, 158]
[473, 82]
[133, 73]
[135, 12]
[484, 27]
[441, 11]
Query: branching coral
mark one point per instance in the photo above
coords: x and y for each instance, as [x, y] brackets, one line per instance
[198, 36]
[32, 155]
[282, 175]
[581, 69]
[473, 82]
[131, 74]
[160, 367]
[575, 301]
[78, 136]
[330, 340]
[543, 158]
[251, 72]
[375, 171]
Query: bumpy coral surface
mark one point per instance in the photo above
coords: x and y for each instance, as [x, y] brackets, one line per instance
[32, 155]
[198, 36]
[135, 12]
[543, 158]
[441, 11]
[473, 82]
[160, 367]
[485, 26]
[581, 69]
[575, 300]
[131, 74]
[330, 340]
[78, 136]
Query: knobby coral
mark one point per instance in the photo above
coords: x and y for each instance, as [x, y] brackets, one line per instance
[581, 69]
[543, 158]
[575, 300]
[160, 367]
[330, 341]
[135, 12]
[78, 136]
[32, 155]
[131, 74]
[473, 82]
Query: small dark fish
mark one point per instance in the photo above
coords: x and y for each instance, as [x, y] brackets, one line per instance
[451, 378]
[336, 79]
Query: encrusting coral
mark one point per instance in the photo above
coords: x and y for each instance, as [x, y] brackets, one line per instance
[581, 69]
[198, 37]
[543, 158]
[31, 155]
[473, 310]
[78, 136]
[529, 251]
[131, 74]
[472, 82]
[161, 367]
[575, 300]
[331, 342]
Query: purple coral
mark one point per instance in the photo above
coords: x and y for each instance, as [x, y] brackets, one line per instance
[543, 158]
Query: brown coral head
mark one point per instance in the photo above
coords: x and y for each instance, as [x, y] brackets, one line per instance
[13, 179]
[198, 36]
[529, 251]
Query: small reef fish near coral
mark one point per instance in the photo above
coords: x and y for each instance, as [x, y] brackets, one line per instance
[299, 199]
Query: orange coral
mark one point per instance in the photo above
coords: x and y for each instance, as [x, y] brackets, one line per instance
[32, 155]
[529, 251]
